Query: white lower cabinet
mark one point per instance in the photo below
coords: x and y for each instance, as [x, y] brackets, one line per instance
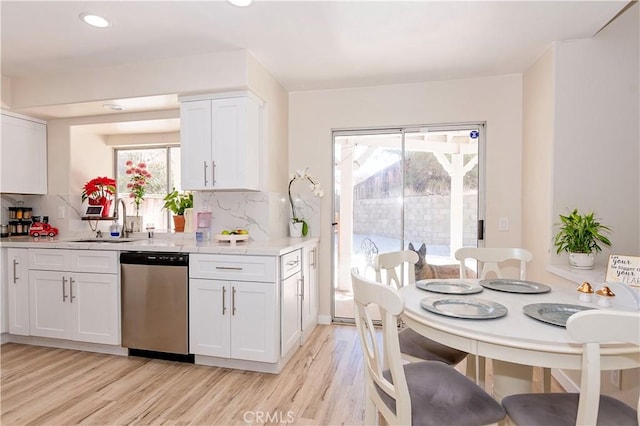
[71, 304]
[74, 306]
[18, 291]
[291, 288]
[310, 300]
[233, 318]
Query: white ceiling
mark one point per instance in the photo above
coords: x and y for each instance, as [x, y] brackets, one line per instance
[306, 45]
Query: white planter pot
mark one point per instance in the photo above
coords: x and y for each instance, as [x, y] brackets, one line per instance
[295, 229]
[582, 260]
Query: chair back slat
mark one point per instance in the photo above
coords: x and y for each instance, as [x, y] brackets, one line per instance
[384, 354]
[489, 259]
[393, 262]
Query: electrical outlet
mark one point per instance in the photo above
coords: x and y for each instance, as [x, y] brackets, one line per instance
[60, 212]
[616, 378]
[503, 224]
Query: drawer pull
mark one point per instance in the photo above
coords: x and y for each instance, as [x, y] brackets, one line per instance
[230, 268]
[293, 262]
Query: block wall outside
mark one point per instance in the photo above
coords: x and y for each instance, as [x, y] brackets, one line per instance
[427, 218]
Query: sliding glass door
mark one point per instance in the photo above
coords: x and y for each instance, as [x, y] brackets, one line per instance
[394, 189]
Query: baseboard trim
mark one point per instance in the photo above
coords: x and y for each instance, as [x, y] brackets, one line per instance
[68, 344]
[324, 319]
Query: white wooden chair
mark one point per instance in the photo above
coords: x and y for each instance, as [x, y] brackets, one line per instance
[391, 262]
[489, 259]
[421, 393]
[413, 346]
[589, 407]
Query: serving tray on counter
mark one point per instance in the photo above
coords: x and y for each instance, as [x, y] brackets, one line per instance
[231, 239]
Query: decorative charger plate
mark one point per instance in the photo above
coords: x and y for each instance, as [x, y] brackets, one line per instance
[552, 313]
[464, 307]
[515, 286]
[449, 287]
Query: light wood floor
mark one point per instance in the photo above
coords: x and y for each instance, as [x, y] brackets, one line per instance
[321, 385]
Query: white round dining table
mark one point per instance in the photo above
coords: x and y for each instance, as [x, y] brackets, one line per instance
[517, 339]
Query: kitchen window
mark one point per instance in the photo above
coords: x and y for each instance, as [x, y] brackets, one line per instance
[163, 162]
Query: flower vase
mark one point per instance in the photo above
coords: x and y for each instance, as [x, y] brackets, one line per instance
[133, 223]
[104, 202]
[295, 229]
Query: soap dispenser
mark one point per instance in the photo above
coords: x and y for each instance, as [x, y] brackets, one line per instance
[114, 229]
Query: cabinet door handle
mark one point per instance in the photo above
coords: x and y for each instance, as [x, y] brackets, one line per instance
[205, 173]
[213, 173]
[293, 262]
[230, 268]
[64, 290]
[224, 295]
[71, 290]
[233, 300]
[15, 273]
[313, 258]
[301, 283]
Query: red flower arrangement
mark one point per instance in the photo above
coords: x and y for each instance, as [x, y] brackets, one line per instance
[98, 188]
[99, 191]
[139, 179]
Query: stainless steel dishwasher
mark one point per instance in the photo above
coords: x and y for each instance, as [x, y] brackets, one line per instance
[155, 302]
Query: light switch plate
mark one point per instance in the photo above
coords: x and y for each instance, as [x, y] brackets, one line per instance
[503, 224]
[60, 212]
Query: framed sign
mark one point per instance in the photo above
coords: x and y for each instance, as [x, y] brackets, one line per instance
[624, 269]
[94, 211]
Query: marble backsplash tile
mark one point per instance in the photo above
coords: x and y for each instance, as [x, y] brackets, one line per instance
[265, 214]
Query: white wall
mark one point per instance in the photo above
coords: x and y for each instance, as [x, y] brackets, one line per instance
[190, 74]
[537, 165]
[597, 130]
[276, 143]
[581, 140]
[496, 100]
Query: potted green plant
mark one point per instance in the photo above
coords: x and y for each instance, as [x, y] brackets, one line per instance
[177, 202]
[581, 236]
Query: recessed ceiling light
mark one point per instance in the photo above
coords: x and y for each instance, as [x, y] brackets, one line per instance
[113, 107]
[94, 20]
[240, 3]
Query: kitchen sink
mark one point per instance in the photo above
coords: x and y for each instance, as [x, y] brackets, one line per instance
[104, 240]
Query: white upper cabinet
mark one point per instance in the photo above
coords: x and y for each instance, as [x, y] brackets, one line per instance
[221, 138]
[23, 155]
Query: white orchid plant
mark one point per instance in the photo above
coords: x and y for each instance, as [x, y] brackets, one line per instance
[314, 186]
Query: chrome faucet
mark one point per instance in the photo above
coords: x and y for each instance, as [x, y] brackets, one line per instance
[120, 201]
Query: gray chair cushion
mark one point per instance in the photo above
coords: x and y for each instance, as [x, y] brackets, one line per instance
[415, 344]
[559, 409]
[440, 395]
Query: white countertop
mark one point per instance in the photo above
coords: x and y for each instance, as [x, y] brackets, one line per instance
[626, 296]
[167, 243]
